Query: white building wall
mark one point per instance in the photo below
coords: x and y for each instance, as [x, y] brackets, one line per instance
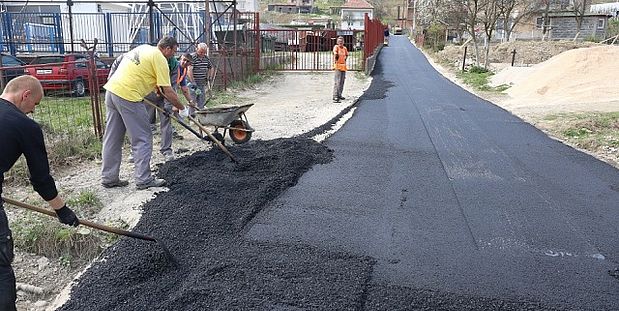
[354, 19]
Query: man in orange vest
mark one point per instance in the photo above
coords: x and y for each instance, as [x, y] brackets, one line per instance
[340, 53]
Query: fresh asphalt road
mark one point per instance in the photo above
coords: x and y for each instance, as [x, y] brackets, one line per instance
[450, 193]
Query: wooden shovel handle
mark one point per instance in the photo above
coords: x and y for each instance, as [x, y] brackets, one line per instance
[81, 221]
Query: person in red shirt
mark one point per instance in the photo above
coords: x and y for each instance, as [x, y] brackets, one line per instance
[340, 53]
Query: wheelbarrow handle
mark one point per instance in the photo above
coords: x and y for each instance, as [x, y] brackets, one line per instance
[83, 222]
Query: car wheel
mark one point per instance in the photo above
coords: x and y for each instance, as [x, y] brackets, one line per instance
[79, 88]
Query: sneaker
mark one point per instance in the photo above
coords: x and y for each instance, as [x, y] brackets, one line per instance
[114, 184]
[336, 100]
[169, 156]
[342, 98]
[156, 182]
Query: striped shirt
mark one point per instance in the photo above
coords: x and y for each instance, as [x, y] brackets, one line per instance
[201, 66]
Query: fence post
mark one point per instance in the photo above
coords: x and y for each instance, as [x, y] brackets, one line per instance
[70, 5]
[513, 57]
[464, 58]
[93, 89]
[257, 48]
[59, 40]
[8, 27]
[109, 38]
[151, 22]
[366, 39]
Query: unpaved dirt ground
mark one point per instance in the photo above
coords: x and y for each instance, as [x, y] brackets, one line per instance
[287, 105]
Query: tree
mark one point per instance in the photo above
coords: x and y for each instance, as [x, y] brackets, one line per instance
[514, 11]
[473, 10]
[490, 15]
[579, 13]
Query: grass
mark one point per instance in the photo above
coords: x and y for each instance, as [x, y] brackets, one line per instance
[479, 80]
[44, 235]
[593, 131]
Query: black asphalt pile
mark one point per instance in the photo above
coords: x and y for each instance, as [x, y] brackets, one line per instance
[379, 86]
[201, 220]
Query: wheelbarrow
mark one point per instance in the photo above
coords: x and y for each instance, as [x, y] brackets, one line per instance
[231, 119]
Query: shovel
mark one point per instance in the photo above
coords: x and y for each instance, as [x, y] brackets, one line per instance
[97, 226]
[185, 125]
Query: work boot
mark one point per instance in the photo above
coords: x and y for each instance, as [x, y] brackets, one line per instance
[114, 184]
[156, 182]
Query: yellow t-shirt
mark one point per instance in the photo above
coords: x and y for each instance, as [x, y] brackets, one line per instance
[139, 72]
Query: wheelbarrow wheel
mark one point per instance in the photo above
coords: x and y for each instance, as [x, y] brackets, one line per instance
[237, 136]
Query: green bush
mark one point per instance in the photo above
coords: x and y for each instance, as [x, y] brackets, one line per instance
[435, 37]
[478, 69]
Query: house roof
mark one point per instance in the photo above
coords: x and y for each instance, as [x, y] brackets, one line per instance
[357, 4]
[571, 14]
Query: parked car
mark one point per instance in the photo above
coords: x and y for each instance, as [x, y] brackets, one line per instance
[397, 30]
[12, 61]
[66, 72]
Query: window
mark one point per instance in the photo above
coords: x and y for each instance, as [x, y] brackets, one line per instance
[80, 62]
[601, 23]
[539, 22]
[9, 61]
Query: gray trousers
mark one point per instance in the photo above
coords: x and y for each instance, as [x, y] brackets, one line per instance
[200, 99]
[165, 123]
[132, 118]
[338, 86]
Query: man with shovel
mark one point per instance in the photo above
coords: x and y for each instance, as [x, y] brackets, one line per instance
[21, 135]
[141, 71]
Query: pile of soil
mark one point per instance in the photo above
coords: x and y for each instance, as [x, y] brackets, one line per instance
[575, 76]
[527, 52]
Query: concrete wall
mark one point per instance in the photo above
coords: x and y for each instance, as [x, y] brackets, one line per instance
[565, 28]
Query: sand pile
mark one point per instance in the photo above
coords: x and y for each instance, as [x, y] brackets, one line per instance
[576, 76]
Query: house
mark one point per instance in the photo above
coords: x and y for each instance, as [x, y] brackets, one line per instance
[352, 14]
[292, 6]
[608, 8]
[563, 26]
[248, 5]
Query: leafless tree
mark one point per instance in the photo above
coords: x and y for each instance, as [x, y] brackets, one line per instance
[473, 11]
[579, 13]
[514, 11]
[491, 11]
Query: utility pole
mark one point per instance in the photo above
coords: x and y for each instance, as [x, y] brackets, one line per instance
[207, 26]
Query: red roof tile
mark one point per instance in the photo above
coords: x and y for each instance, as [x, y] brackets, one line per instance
[357, 4]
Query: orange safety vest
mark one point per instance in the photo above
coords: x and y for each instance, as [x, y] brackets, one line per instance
[342, 53]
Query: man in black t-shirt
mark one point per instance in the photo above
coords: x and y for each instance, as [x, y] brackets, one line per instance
[21, 135]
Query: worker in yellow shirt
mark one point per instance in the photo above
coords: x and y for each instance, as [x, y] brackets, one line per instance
[140, 71]
[340, 53]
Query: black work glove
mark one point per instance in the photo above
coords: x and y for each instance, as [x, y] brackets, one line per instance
[67, 217]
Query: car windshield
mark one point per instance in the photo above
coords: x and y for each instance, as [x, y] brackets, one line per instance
[48, 60]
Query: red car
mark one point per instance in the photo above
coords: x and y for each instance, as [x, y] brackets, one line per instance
[66, 72]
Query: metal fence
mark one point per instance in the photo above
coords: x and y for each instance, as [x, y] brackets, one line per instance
[117, 32]
[290, 49]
